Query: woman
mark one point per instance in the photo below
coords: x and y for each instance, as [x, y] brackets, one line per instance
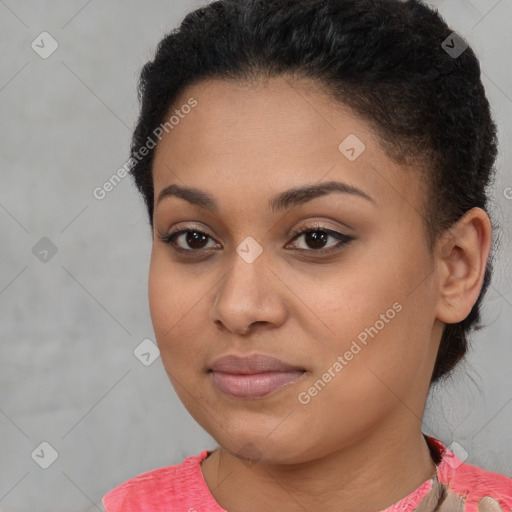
[315, 174]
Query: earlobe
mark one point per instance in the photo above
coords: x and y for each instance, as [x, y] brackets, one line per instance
[462, 254]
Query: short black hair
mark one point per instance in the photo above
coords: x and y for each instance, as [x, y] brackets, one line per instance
[388, 60]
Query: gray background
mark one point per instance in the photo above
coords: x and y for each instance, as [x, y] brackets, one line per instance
[69, 325]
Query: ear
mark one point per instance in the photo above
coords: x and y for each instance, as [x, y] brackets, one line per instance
[461, 259]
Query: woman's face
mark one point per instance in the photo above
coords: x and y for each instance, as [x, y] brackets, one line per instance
[349, 309]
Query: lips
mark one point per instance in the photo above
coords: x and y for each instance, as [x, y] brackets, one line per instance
[253, 376]
[255, 363]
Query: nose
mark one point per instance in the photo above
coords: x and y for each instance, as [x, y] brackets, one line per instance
[248, 328]
[250, 295]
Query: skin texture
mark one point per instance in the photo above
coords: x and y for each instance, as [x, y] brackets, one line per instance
[357, 444]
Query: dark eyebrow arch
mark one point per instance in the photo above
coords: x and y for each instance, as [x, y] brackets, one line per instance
[282, 201]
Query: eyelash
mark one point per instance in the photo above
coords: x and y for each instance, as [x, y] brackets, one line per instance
[344, 240]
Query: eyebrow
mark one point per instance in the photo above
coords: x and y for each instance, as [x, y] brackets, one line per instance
[282, 201]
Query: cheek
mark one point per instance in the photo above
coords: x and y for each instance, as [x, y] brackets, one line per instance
[378, 320]
[346, 305]
[175, 307]
[163, 299]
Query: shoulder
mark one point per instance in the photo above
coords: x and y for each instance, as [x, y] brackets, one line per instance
[481, 490]
[159, 489]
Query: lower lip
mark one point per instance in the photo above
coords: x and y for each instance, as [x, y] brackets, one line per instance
[255, 385]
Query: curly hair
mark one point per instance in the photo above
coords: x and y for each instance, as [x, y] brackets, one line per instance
[385, 59]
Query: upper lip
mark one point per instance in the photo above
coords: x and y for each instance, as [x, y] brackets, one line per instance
[255, 363]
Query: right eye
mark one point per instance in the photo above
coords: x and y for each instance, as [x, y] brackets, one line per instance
[194, 238]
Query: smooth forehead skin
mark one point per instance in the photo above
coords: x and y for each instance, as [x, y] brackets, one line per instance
[250, 141]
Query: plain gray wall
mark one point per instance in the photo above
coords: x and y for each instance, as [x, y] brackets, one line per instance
[69, 325]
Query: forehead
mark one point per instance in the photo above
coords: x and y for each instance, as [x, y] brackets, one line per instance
[273, 113]
[273, 134]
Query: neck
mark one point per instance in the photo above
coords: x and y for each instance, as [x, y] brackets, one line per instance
[370, 475]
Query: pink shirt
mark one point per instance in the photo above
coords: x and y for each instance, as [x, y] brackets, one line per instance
[460, 487]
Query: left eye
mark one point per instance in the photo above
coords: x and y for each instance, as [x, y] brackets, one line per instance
[315, 238]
